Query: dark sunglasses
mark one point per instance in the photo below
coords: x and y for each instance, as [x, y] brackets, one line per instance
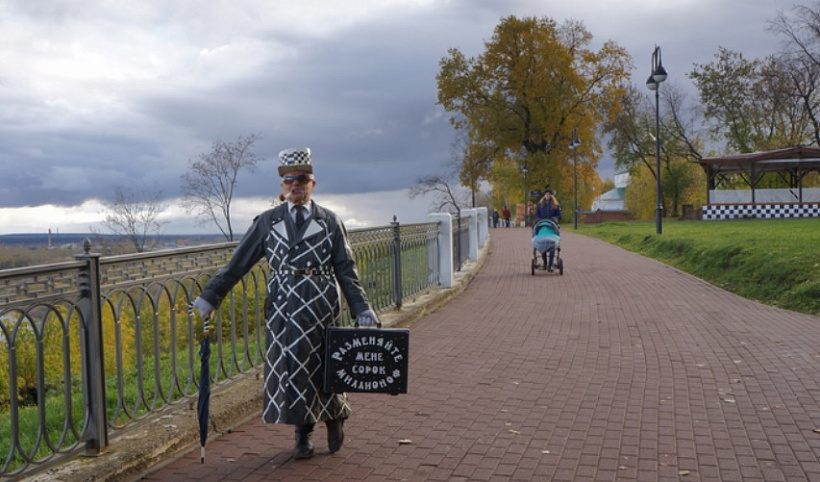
[302, 178]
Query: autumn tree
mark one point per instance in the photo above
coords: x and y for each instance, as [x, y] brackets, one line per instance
[134, 215]
[640, 197]
[749, 103]
[535, 82]
[507, 182]
[800, 57]
[628, 132]
[209, 184]
[682, 177]
[472, 159]
[631, 137]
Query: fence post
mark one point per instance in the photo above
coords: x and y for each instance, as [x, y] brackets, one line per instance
[457, 238]
[396, 262]
[90, 307]
[483, 225]
[472, 232]
[445, 247]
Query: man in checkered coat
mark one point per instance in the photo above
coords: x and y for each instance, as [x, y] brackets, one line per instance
[310, 262]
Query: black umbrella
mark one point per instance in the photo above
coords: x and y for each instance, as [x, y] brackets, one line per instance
[204, 399]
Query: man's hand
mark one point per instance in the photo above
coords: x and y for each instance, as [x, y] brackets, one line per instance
[203, 307]
[367, 318]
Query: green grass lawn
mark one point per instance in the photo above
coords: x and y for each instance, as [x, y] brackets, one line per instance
[776, 262]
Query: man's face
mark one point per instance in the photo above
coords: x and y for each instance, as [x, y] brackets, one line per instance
[298, 186]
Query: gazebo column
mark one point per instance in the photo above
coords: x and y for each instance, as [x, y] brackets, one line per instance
[710, 184]
[798, 176]
[753, 182]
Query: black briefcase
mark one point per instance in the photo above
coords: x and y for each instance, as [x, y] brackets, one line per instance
[372, 360]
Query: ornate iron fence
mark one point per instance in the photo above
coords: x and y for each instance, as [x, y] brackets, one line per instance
[89, 347]
[461, 241]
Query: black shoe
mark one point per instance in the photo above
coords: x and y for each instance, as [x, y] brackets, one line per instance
[304, 447]
[335, 434]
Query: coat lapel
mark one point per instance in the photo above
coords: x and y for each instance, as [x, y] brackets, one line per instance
[311, 228]
[280, 227]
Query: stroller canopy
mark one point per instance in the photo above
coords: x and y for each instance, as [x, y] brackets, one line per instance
[546, 227]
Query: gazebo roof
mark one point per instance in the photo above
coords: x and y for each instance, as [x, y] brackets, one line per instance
[777, 160]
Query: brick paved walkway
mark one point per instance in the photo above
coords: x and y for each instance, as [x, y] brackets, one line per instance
[622, 369]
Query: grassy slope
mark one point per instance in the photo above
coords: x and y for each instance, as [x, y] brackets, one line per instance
[776, 262]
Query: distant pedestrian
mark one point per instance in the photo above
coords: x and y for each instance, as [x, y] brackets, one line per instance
[495, 218]
[506, 214]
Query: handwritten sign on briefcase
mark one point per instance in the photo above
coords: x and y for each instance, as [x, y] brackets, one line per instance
[372, 360]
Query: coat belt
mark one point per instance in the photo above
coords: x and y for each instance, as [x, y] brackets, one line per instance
[308, 271]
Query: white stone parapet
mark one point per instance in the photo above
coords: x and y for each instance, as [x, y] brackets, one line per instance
[445, 248]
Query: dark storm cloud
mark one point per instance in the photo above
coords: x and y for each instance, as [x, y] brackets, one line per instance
[361, 94]
[69, 167]
[362, 101]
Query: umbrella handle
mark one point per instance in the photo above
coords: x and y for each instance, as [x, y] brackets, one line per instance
[205, 329]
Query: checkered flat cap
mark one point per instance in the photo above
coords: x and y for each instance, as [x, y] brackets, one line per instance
[296, 159]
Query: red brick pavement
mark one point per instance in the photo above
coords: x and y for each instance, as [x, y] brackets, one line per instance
[622, 369]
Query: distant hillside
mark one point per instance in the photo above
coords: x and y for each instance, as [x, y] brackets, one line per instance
[63, 239]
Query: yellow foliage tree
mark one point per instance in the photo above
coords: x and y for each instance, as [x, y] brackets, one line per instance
[507, 183]
[640, 198]
[682, 183]
[534, 84]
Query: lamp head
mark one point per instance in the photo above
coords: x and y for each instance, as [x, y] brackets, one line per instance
[658, 72]
[651, 84]
[659, 75]
[574, 142]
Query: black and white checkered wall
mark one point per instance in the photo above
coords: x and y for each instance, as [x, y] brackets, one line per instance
[760, 211]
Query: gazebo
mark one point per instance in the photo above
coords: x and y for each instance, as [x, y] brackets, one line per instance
[793, 164]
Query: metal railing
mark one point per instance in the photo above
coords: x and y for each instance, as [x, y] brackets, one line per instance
[461, 241]
[92, 346]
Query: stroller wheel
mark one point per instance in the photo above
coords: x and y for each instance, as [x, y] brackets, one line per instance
[532, 265]
[561, 267]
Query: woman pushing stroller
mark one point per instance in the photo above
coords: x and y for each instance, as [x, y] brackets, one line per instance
[545, 232]
[548, 207]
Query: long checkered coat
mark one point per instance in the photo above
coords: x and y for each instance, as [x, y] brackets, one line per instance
[307, 268]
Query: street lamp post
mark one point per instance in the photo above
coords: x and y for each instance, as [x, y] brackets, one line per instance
[574, 144]
[657, 76]
[526, 194]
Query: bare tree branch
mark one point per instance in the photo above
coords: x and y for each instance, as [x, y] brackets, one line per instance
[682, 129]
[134, 216]
[448, 196]
[208, 187]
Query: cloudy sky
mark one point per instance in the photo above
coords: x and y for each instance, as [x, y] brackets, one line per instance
[103, 93]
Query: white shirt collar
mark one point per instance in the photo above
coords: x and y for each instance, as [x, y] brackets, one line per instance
[291, 206]
[305, 210]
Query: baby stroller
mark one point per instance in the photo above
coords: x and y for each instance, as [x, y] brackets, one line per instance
[546, 247]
